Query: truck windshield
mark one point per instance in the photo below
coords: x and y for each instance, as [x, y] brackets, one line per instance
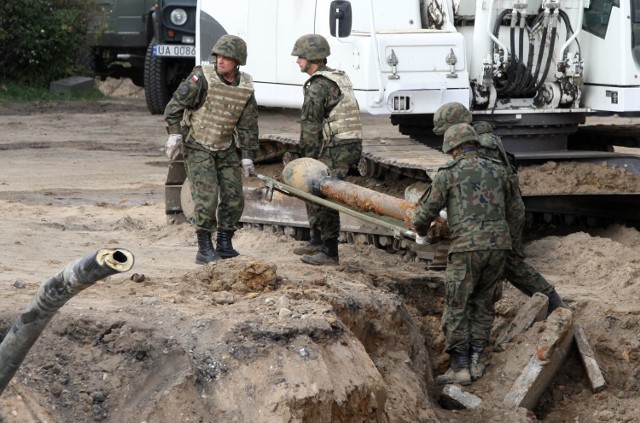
[596, 18]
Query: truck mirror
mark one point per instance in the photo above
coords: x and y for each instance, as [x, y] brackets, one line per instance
[340, 15]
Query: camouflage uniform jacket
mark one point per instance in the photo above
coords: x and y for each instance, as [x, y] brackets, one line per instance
[475, 192]
[191, 95]
[321, 95]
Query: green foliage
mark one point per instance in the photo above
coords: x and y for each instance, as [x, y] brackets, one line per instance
[10, 93]
[41, 39]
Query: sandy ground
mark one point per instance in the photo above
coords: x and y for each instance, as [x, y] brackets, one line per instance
[262, 337]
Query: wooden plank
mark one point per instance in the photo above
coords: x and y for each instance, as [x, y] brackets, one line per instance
[588, 360]
[454, 398]
[547, 358]
[534, 310]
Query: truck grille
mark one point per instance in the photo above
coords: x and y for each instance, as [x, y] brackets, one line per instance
[400, 103]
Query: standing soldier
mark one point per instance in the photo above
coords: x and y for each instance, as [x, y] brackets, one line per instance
[474, 190]
[330, 132]
[213, 110]
[520, 274]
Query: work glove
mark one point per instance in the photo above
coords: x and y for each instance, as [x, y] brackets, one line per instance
[173, 146]
[423, 240]
[248, 168]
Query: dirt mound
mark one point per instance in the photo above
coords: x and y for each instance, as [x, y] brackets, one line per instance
[574, 177]
[262, 337]
[120, 87]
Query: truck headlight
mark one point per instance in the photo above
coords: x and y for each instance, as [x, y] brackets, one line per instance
[178, 17]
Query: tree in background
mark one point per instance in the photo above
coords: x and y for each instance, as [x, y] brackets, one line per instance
[41, 39]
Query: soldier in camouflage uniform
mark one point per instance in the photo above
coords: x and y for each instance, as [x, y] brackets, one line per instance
[330, 132]
[474, 189]
[214, 110]
[517, 271]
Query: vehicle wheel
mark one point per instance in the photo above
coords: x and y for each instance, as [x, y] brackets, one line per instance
[156, 89]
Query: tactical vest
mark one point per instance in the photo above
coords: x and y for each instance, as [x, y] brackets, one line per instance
[343, 122]
[213, 124]
[466, 204]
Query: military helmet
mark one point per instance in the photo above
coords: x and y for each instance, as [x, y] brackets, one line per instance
[457, 135]
[232, 47]
[450, 114]
[311, 47]
[483, 127]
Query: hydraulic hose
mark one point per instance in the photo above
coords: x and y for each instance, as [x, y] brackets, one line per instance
[496, 32]
[567, 23]
[520, 74]
[531, 30]
[547, 66]
[534, 80]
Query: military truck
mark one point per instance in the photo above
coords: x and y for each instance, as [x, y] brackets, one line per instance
[152, 42]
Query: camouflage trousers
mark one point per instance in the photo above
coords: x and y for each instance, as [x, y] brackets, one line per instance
[521, 275]
[216, 187]
[524, 277]
[339, 159]
[472, 286]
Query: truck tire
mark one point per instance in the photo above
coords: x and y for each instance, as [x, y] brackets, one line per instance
[156, 87]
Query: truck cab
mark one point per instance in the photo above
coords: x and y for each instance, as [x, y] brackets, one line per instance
[152, 42]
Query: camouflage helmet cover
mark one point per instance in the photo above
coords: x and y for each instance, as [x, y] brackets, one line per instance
[232, 47]
[311, 47]
[483, 127]
[457, 135]
[450, 114]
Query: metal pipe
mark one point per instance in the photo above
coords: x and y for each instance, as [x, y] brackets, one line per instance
[490, 32]
[367, 200]
[289, 190]
[312, 176]
[378, 100]
[577, 32]
[52, 295]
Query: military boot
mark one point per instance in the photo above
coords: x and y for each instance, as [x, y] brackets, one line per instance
[459, 370]
[555, 301]
[476, 368]
[206, 253]
[327, 255]
[224, 247]
[311, 247]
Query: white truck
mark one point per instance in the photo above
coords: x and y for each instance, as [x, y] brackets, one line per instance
[534, 68]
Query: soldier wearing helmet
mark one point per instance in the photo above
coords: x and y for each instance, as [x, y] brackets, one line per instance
[449, 114]
[330, 131]
[212, 112]
[474, 191]
[520, 274]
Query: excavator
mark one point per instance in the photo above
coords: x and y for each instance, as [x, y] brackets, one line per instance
[538, 70]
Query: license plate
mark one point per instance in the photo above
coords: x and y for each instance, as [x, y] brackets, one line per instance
[174, 50]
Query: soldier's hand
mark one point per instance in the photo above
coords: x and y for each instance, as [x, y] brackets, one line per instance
[173, 146]
[423, 240]
[248, 168]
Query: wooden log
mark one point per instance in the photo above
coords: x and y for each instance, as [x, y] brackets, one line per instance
[550, 352]
[534, 310]
[588, 360]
